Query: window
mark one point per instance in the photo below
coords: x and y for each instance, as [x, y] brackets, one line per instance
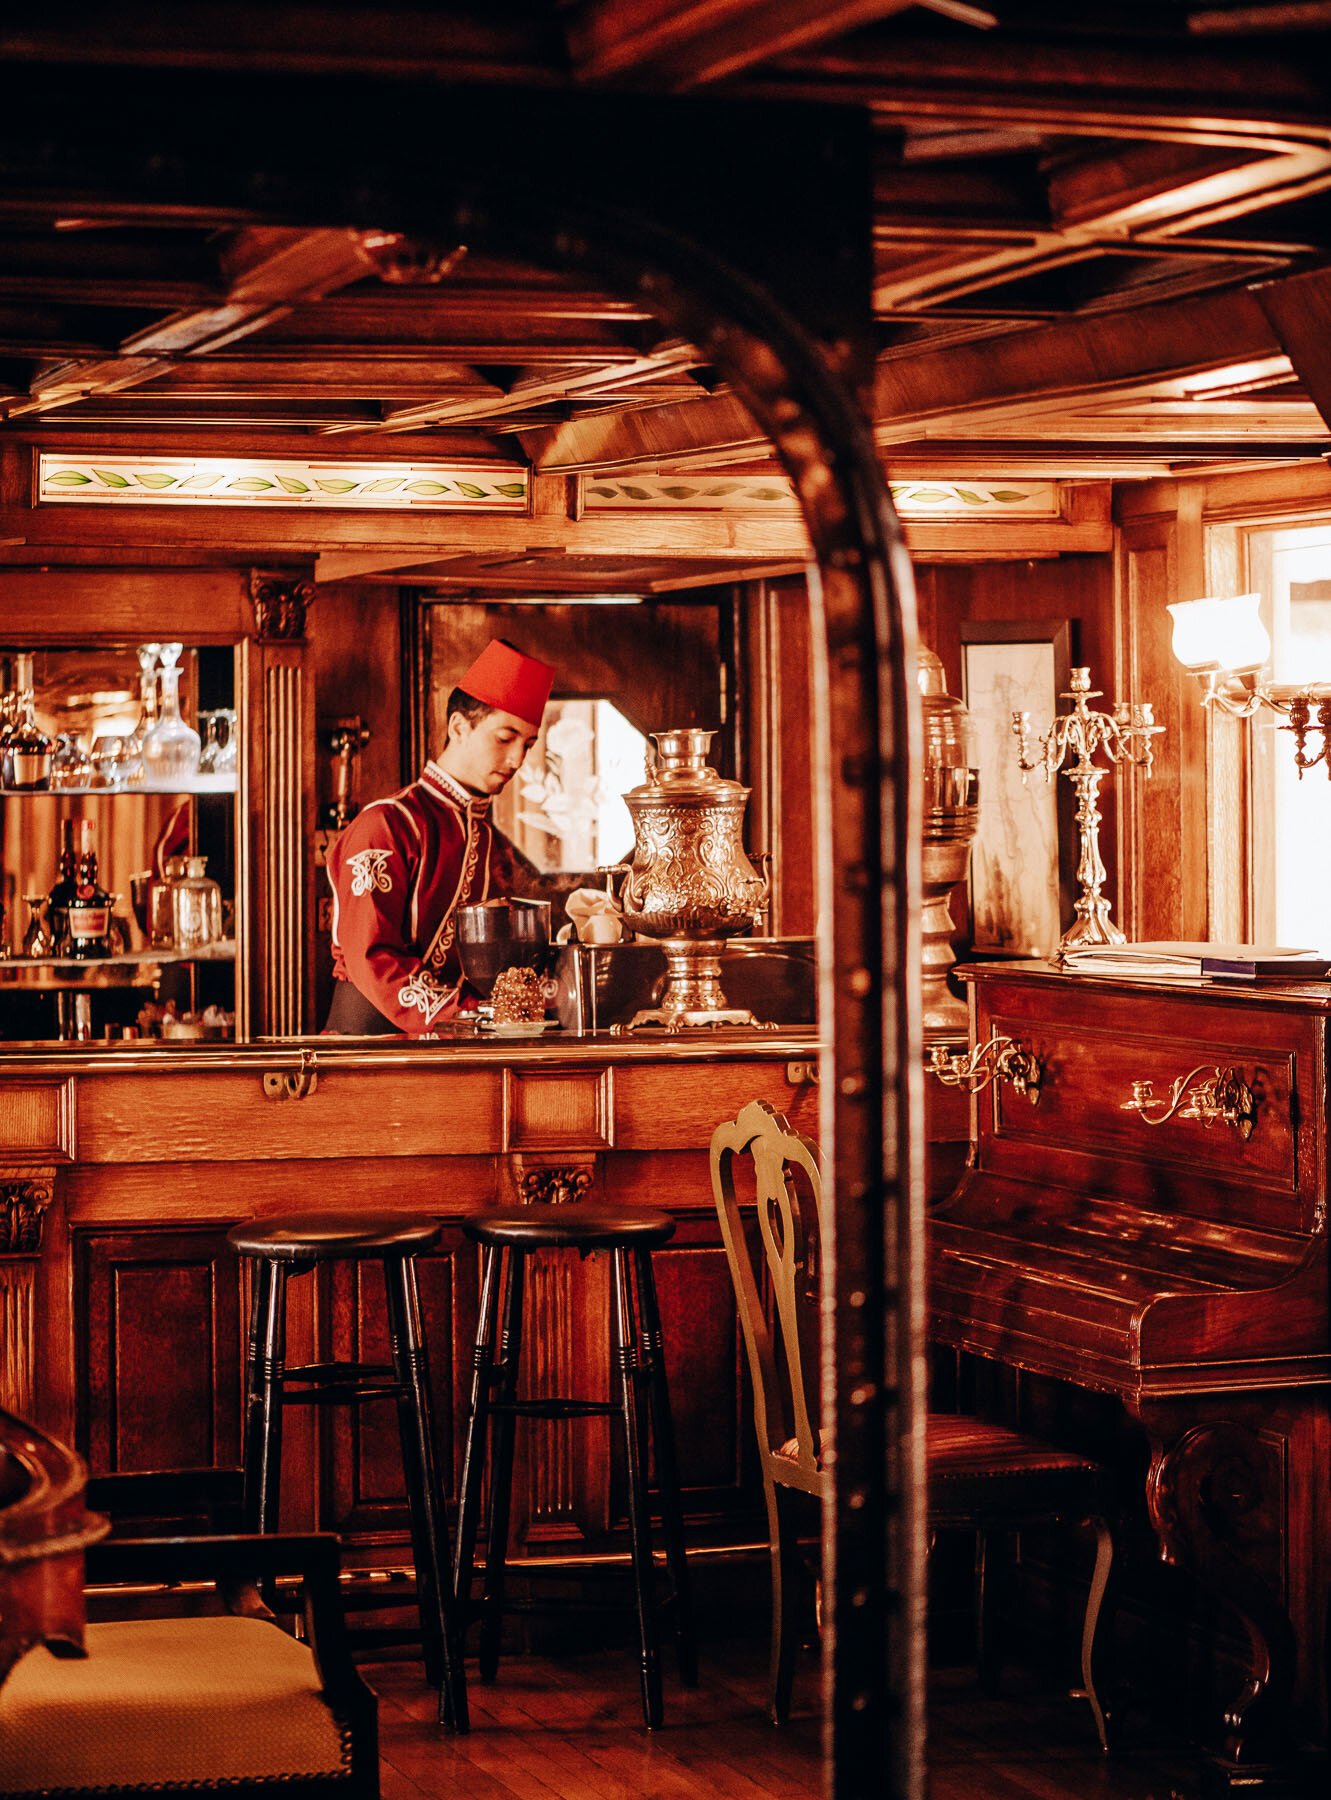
[1291, 836]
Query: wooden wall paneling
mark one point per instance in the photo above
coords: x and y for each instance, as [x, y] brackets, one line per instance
[37, 1120]
[654, 1111]
[211, 1191]
[105, 604]
[158, 1321]
[361, 1492]
[659, 661]
[705, 1366]
[776, 704]
[558, 1109]
[354, 668]
[278, 800]
[201, 1117]
[1166, 895]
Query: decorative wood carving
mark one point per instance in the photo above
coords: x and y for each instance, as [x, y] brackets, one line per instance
[281, 762]
[556, 1186]
[23, 1202]
[412, 262]
[280, 603]
[1216, 1498]
[17, 1340]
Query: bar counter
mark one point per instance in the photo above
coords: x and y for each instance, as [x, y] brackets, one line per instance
[121, 1306]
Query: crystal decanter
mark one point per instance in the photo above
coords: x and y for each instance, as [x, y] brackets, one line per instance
[137, 767]
[170, 746]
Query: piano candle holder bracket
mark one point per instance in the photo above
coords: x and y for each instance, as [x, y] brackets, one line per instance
[1001, 1059]
[1224, 1097]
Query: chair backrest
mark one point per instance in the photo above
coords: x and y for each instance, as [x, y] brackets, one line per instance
[783, 1355]
[44, 1530]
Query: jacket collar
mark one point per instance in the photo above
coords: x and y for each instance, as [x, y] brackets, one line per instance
[446, 787]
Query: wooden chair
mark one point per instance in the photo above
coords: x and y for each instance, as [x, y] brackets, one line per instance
[981, 1477]
[187, 1705]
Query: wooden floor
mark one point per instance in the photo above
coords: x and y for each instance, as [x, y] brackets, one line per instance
[571, 1728]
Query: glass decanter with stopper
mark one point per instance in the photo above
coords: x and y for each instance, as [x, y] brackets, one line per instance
[196, 907]
[170, 746]
[27, 748]
[136, 767]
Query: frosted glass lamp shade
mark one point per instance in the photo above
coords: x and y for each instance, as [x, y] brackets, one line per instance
[1223, 635]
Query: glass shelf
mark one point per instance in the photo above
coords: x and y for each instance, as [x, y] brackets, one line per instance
[199, 784]
[130, 968]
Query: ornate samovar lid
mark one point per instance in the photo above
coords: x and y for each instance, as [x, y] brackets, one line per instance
[682, 772]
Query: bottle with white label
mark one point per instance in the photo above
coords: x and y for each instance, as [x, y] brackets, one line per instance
[84, 904]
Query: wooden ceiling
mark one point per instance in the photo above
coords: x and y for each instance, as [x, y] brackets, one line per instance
[1101, 236]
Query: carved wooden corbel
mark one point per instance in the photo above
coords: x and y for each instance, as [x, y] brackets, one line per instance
[280, 602]
[556, 1186]
[23, 1204]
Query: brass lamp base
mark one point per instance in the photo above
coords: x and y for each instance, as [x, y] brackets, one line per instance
[693, 995]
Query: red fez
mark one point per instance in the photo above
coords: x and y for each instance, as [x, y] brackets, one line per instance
[509, 681]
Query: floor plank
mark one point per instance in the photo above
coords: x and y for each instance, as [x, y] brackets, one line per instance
[570, 1728]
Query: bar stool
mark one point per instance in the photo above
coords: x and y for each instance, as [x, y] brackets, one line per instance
[291, 1244]
[639, 1360]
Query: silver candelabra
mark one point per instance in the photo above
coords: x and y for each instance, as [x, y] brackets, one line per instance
[1125, 737]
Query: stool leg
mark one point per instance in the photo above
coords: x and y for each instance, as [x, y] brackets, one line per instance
[429, 1529]
[265, 1369]
[478, 1427]
[501, 1464]
[644, 1574]
[667, 1468]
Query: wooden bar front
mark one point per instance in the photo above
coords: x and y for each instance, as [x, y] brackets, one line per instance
[122, 1310]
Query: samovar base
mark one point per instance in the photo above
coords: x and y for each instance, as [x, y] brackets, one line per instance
[693, 996]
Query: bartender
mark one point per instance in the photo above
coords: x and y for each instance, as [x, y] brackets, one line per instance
[404, 865]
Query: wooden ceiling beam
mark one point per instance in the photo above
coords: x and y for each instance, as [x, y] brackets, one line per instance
[1299, 309]
[1081, 87]
[459, 44]
[301, 530]
[268, 271]
[650, 437]
[1052, 365]
[687, 43]
[563, 384]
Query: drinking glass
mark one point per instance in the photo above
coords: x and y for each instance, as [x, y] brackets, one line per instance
[224, 763]
[208, 722]
[110, 762]
[37, 938]
[71, 766]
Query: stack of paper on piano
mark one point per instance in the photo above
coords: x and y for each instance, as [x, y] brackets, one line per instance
[1224, 962]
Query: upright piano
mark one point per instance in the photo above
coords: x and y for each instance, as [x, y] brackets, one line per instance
[1144, 1213]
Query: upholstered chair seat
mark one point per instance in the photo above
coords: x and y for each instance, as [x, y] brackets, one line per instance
[162, 1703]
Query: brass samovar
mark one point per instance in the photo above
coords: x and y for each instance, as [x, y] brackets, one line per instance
[690, 883]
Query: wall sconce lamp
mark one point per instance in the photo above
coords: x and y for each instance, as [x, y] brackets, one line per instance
[1226, 646]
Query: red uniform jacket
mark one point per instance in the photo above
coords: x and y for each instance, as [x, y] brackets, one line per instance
[400, 871]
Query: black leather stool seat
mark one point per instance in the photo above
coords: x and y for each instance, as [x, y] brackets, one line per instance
[288, 1246]
[641, 1410]
[312, 1237]
[583, 1228]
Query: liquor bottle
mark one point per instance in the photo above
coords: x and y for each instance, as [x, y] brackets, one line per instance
[87, 919]
[62, 895]
[27, 750]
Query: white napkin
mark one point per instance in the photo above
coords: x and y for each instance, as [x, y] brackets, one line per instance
[594, 916]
